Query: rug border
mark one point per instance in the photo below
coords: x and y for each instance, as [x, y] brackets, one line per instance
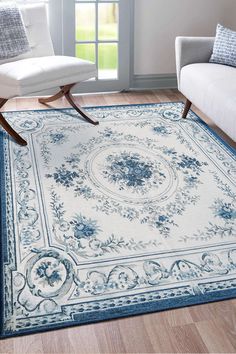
[127, 311]
[199, 119]
[2, 231]
[156, 307]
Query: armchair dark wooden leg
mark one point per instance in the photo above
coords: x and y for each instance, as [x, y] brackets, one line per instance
[61, 93]
[18, 139]
[187, 107]
[65, 91]
[80, 110]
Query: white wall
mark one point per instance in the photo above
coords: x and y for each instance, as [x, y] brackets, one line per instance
[158, 22]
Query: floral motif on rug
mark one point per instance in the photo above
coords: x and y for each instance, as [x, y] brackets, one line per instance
[132, 216]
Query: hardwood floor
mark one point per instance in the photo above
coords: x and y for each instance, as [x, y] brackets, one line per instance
[209, 328]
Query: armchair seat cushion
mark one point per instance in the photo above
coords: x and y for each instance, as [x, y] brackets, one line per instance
[36, 74]
[212, 88]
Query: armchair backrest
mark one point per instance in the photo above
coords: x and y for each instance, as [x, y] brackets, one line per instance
[37, 29]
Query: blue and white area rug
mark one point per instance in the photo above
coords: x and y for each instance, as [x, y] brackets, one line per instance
[135, 215]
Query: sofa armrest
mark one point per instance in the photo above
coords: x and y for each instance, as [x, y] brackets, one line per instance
[190, 50]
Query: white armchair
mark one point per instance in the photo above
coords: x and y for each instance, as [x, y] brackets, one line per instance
[210, 87]
[191, 50]
[40, 69]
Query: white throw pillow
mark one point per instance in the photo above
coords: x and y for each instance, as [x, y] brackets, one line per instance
[224, 51]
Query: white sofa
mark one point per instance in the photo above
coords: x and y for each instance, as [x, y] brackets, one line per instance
[210, 87]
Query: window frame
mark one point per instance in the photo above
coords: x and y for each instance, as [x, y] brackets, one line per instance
[68, 40]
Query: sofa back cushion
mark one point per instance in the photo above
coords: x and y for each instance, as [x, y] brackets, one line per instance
[224, 50]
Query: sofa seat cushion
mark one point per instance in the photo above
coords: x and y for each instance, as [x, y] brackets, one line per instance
[212, 88]
[35, 74]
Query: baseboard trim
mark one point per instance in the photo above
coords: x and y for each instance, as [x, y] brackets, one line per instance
[162, 81]
[138, 82]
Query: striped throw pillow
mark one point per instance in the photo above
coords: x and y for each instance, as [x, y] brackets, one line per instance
[224, 51]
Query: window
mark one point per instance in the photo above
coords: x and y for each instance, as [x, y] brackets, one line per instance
[99, 31]
[97, 37]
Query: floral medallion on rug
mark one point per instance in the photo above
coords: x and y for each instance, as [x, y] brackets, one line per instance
[132, 216]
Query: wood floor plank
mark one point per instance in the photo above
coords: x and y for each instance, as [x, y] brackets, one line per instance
[109, 337]
[213, 310]
[188, 339]
[159, 333]
[82, 339]
[179, 317]
[32, 344]
[7, 346]
[214, 335]
[203, 328]
[57, 342]
[135, 335]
